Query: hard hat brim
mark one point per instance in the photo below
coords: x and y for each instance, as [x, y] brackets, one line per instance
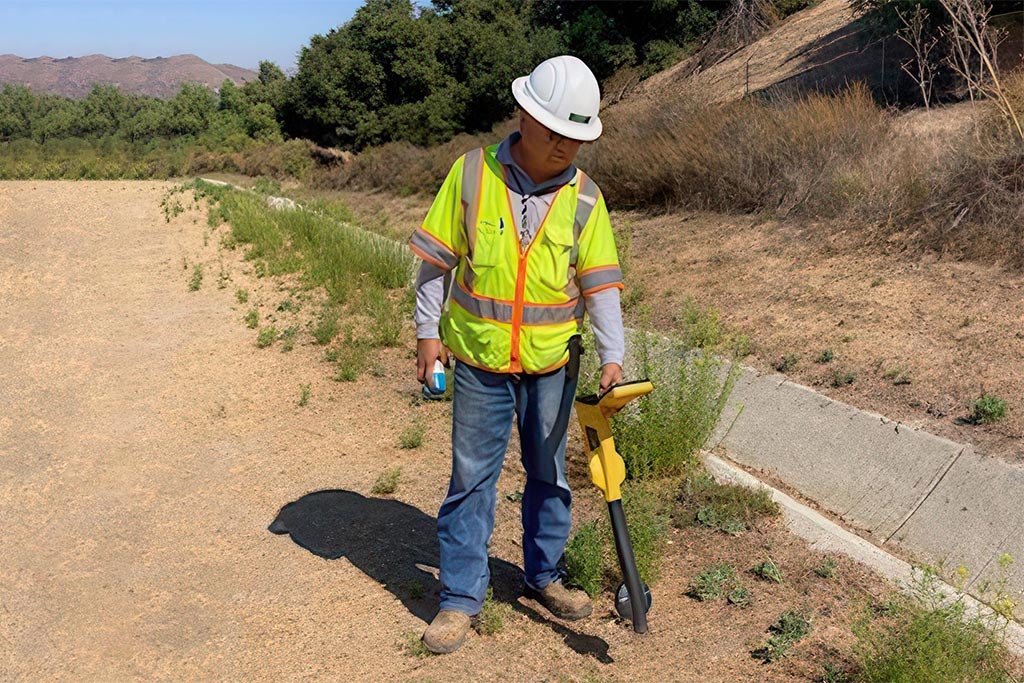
[585, 132]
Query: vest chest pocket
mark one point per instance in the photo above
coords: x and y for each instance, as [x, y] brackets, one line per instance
[551, 258]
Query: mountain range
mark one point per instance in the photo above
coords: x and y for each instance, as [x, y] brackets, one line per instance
[157, 76]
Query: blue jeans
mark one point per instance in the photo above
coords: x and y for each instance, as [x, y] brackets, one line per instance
[482, 412]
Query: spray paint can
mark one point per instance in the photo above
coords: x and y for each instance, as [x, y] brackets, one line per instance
[435, 384]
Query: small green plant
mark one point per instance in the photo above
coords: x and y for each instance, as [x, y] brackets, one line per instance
[768, 571]
[288, 338]
[387, 482]
[842, 378]
[415, 589]
[585, 558]
[702, 328]
[196, 281]
[289, 305]
[252, 319]
[351, 360]
[241, 295]
[930, 637]
[326, 327]
[304, 393]
[878, 281]
[730, 508]
[786, 362]
[387, 321]
[739, 595]
[832, 673]
[898, 375]
[713, 583]
[412, 436]
[266, 337]
[825, 356]
[988, 409]
[412, 644]
[827, 569]
[493, 615]
[788, 629]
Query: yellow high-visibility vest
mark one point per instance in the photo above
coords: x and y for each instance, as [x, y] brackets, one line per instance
[512, 309]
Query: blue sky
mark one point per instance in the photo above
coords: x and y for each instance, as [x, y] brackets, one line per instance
[219, 31]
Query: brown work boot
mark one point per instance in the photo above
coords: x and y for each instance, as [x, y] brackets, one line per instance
[446, 632]
[561, 601]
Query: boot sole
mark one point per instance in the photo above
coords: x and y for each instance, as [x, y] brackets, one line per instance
[582, 613]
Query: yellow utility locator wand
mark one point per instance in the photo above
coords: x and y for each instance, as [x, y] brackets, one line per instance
[608, 471]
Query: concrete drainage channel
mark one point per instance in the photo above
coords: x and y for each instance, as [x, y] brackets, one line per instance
[930, 498]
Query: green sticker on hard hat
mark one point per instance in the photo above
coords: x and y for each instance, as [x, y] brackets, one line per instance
[579, 119]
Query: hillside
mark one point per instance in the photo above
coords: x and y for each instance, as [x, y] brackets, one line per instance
[823, 48]
[158, 77]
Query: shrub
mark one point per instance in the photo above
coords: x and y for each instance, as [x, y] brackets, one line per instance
[387, 482]
[252, 318]
[585, 558]
[591, 560]
[729, 508]
[661, 434]
[493, 615]
[932, 639]
[988, 409]
[787, 630]
[266, 337]
[768, 571]
[412, 436]
[713, 583]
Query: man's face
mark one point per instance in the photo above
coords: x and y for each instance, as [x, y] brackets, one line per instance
[551, 150]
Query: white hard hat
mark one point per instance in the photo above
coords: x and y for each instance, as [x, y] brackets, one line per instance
[562, 94]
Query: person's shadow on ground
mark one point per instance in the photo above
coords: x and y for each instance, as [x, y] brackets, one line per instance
[396, 545]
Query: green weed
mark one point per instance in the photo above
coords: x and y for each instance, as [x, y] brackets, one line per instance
[266, 337]
[768, 571]
[662, 433]
[987, 409]
[786, 362]
[713, 583]
[591, 561]
[304, 394]
[326, 327]
[585, 558]
[739, 595]
[387, 482]
[252, 318]
[932, 639]
[898, 375]
[412, 436]
[412, 644]
[730, 508]
[825, 356]
[788, 629]
[702, 328]
[493, 615]
[842, 378]
[288, 338]
[241, 295]
[827, 568]
[196, 281]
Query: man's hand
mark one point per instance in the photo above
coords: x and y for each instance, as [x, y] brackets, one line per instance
[611, 374]
[427, 351]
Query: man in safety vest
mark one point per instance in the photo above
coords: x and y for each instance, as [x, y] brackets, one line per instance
[525, 239]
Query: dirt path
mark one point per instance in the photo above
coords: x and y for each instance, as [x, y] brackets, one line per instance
[146, 443]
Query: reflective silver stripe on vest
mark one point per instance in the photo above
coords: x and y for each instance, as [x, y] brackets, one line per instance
[501, 311]
[599, 276]
[472, 168]
[429, 246]
[586, 199]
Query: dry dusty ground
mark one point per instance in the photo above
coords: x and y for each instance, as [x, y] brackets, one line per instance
[146, 444]
[924, 337]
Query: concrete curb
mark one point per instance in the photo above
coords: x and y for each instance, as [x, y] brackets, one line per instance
[827, 536]
[932, 498]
